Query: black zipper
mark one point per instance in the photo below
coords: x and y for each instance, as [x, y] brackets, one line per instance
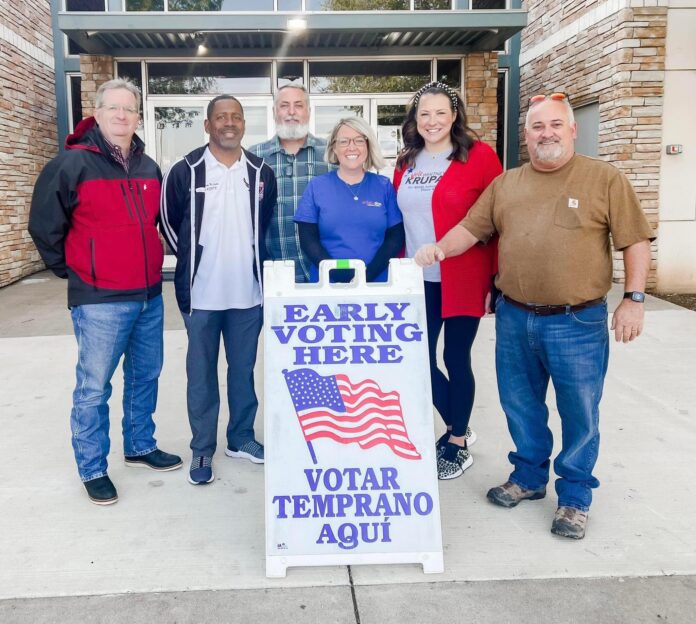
[142, 226]
[125, 200]
[94, 262]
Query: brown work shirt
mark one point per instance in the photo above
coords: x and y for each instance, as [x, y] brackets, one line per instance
[554, 229]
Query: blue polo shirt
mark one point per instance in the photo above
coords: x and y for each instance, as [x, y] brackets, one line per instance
[349, 228]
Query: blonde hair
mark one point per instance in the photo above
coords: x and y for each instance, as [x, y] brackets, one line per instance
[374, 160]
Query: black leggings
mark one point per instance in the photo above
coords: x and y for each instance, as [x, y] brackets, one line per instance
[453, 397]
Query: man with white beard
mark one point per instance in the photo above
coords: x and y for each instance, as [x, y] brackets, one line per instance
[554, 217]
[296, 156]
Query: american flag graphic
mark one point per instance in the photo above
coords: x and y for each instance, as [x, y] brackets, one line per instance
[333, 407]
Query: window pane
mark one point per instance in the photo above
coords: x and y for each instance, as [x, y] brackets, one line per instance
[449, 72]
[144, 5]
[368, 76]
[132, 72]
[85, 5]
[327, 116]
[462, 5]
[75, 100]
[256, 124]
[209, 78]
[221, 5]
[356, 5]
[289, 5]
[178, 130]
[432, 5]
[488, 5]
[290, 71]
[587, 118]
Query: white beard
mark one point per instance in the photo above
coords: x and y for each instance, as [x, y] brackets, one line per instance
[550, 152]
[292, 131]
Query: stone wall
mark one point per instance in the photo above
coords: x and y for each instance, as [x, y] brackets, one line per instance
[96, 70]
[28, 132]
[616, 59]
[481, 88]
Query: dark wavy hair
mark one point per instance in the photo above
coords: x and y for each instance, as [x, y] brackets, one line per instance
[461, 135]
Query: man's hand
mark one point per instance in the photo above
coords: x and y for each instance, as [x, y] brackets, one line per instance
[427, 255]
[627, 322]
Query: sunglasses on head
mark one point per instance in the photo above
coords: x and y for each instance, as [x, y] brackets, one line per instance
[557, 96]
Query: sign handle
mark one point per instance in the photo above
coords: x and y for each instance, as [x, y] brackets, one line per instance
[360, 278]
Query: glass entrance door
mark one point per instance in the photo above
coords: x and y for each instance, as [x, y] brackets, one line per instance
[174, 126]
[384, 113]
[327, 111]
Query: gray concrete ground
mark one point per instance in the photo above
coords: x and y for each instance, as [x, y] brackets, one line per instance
[168, 552]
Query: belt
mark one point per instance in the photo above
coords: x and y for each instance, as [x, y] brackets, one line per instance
[548, 310]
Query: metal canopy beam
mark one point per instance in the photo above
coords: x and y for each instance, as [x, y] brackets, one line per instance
[350, 34]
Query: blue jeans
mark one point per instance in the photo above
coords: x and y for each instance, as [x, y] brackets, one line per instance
[240, 329]
[105, 332]
[572, 350]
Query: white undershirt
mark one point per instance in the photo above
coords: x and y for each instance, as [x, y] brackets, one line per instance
[225, 276]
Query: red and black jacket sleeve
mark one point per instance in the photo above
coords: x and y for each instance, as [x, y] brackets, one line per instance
[52, 204]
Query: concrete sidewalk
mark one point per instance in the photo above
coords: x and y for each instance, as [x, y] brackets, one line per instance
[169, 552]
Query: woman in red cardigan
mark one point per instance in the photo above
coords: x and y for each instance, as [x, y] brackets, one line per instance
[440, 173]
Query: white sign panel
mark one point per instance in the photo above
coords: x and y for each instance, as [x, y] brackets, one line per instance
[350, 451]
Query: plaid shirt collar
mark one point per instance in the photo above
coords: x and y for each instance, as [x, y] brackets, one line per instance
[117, 153]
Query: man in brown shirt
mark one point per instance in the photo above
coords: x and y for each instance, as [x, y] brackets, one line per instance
[554, 217]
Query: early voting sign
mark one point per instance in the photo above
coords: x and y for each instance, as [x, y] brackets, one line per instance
[350, 451]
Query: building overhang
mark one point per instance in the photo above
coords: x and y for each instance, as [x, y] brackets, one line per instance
[369, 33]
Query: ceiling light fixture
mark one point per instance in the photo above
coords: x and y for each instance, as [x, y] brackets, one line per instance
[297, 24]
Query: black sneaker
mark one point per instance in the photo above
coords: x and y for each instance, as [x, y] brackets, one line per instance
[157, 460]
[101, 491]
[470, 437]
[441, 444]
[454, 461]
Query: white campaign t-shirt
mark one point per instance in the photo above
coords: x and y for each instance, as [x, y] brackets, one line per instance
[415, 201]
[225, 277]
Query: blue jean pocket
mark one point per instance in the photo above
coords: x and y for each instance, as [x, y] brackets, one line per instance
[594, 315]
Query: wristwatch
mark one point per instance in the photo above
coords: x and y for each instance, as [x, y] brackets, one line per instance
[635, 295]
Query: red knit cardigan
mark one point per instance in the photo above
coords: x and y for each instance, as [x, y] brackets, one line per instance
[466, 279]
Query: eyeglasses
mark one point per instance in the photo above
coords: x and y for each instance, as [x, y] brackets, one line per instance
[557, 96]
[357, 141]
[126, 109]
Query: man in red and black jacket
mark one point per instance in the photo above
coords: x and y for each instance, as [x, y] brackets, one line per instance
[93, 219]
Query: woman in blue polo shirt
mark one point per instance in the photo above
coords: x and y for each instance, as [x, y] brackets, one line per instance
[351, 213]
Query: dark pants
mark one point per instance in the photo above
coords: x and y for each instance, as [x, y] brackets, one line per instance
[453, 397]
[240, 331]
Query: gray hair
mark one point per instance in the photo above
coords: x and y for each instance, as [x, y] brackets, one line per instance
[375, 160]
[564, 101]
[292, 85]
[117, 83]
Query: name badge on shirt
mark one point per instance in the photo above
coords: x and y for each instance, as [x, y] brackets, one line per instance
[573, 203]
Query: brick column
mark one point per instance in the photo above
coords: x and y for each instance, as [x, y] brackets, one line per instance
[481, 94]
[618, 62]
[96, 70]
[630, 129]
[28, 134]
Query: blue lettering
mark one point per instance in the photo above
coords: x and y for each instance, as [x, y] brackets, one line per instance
[423, 503]
[281, 500]
[293, 313]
